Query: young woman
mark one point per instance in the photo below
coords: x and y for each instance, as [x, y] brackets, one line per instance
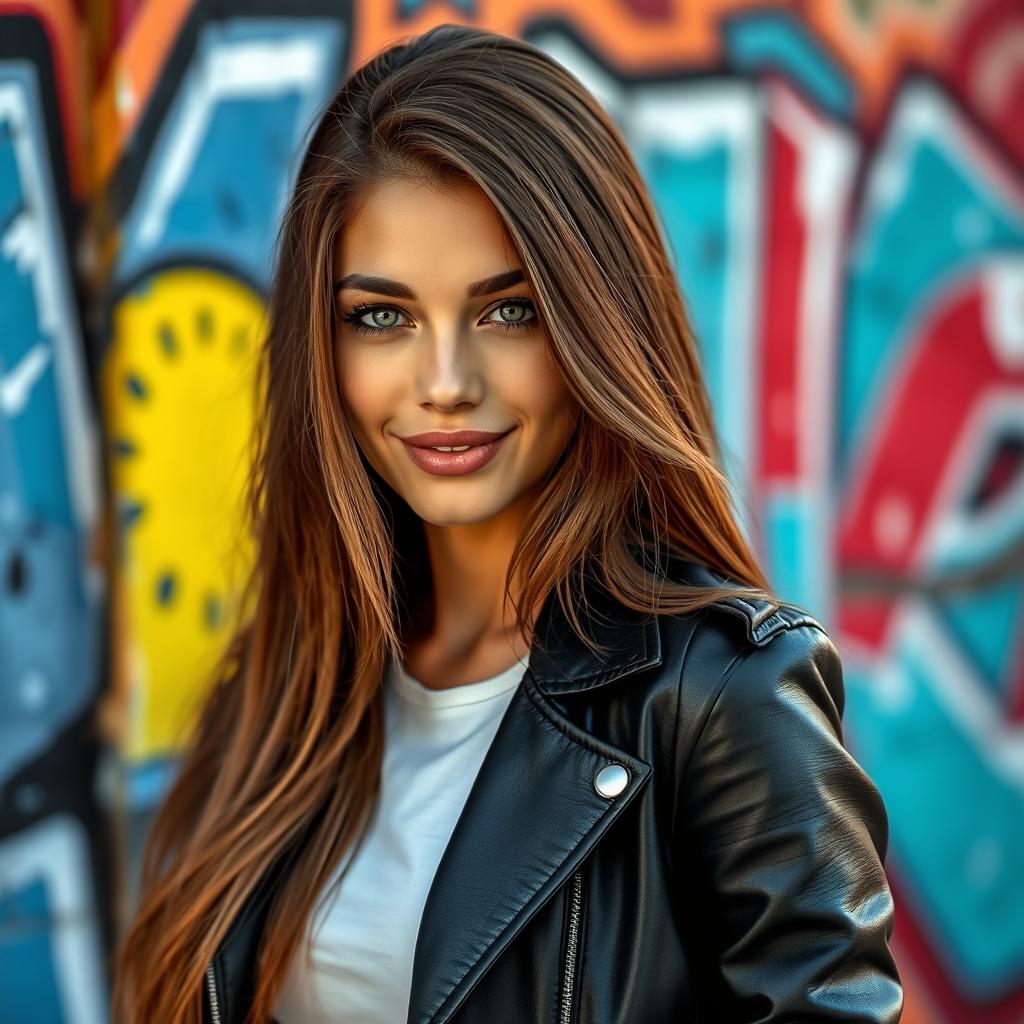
[515, 731]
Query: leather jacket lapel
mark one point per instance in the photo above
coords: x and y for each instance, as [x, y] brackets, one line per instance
[533, 813]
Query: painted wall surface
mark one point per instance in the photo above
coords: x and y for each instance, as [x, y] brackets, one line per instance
[841, 185]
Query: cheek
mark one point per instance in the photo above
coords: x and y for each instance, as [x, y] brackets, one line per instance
[542, 389]
[534, 385]
[367, 406]
[360, 385]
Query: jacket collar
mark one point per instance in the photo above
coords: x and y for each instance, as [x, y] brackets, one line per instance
[560, 662]
[533, 813]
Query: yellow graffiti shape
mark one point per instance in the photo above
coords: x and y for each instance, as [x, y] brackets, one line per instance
[179, 398]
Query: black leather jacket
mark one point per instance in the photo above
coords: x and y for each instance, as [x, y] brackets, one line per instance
[735, 877]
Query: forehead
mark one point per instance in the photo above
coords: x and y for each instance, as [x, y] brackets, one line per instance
[405, 229]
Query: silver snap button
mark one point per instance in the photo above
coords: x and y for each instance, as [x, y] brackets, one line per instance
[611, 780]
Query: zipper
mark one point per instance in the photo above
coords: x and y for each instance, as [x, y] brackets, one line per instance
[211, 988]
[571, 946]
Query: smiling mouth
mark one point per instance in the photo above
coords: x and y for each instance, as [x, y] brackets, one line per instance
[459, 447]
[454, 460]
[458, 440]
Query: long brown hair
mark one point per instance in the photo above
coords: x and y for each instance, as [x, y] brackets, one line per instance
[285, 757]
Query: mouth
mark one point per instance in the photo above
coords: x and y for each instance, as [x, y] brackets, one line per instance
[454, 453]
[448, 439]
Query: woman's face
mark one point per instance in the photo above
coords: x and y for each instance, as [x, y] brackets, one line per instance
[438, 331]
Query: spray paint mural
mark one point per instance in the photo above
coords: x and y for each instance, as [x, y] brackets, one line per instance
[54, 858]
[841, 185]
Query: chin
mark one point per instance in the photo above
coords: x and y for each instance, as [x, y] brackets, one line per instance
[449, 513]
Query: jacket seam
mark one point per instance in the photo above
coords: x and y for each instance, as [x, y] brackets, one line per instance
[727, 674]
[594, 678]
[679, 689]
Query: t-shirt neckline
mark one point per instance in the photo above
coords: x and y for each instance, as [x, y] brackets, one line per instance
[411, 689]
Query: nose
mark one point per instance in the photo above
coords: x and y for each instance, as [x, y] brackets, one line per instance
[448, 372]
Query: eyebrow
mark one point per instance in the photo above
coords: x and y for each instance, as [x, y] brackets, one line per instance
[385, 286]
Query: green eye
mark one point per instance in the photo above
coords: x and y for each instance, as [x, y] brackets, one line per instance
[515, 314]
[389, 315]
[385, 319]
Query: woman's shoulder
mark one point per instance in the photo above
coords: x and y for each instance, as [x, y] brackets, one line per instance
[781, 832]
[748, 652]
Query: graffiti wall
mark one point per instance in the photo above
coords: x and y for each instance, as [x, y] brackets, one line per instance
[54, 855]
[842, 186]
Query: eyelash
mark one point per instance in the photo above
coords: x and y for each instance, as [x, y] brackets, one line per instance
[353, 318]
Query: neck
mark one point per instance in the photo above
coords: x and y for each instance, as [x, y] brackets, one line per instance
[462, 629]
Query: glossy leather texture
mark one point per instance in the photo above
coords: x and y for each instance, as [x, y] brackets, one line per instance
[736, 877]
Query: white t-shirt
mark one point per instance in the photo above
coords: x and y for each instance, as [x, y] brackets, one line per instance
[365, 936]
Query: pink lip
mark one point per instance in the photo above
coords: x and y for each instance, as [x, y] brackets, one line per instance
[454, 463]
[453, 437]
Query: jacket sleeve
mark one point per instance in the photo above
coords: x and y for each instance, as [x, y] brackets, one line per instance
[787, 835]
